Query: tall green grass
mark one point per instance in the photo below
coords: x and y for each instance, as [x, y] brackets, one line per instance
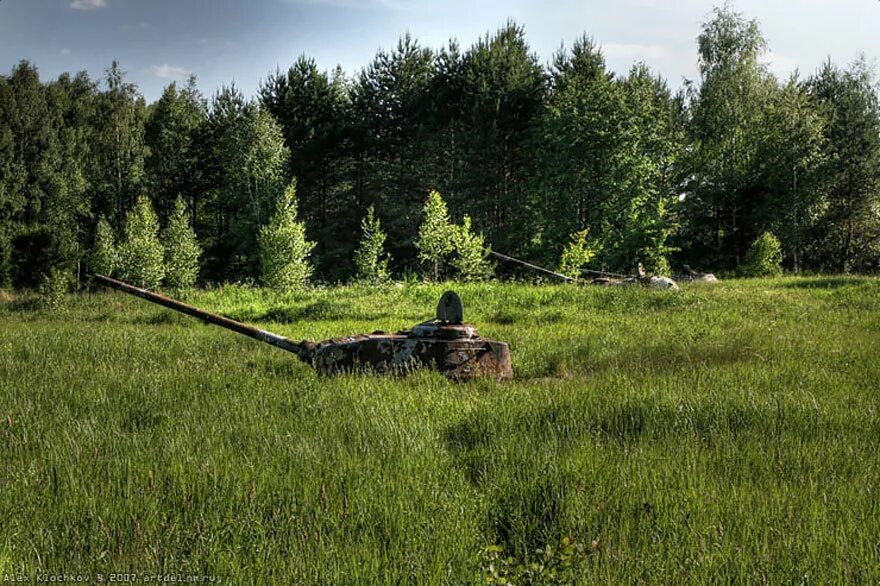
[722, 433]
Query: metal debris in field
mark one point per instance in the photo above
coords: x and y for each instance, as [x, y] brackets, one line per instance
[689, 274]
[655, 281]
[444, 343]
[603, 278]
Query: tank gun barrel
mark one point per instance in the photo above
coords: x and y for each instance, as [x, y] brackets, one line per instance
[304, 350]
[528, 265]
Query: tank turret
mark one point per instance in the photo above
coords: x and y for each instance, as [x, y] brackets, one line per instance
[445, 343]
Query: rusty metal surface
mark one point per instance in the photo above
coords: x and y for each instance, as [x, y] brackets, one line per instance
[444, 343]
[458, 359]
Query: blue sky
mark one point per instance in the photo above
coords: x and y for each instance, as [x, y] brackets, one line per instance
[157, 41]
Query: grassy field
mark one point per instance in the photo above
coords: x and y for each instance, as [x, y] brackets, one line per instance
[724, 433]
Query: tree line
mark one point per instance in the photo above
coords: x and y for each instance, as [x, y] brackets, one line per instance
[538, 157]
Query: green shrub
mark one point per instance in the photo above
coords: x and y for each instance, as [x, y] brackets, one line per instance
[284, 250]
[436, 236]
[370, 259]
[141, 254]
[182, 250]
[656, 263]
[563, 564]
[105, 255]
[578, 252]
[469, 261]
[764, 258]
[54, 287]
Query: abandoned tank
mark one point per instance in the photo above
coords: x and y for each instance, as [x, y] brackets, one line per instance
[445, 343]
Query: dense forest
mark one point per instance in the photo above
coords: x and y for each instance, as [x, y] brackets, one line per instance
[533, 153]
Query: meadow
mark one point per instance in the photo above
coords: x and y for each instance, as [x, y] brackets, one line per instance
[723, 433]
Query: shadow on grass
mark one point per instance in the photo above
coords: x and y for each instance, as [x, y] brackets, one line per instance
[528, 513]
[526, 491]
[142, 418]
[318, 311]
[26, 303]
[827, 283]
[286, 366]
[507, 317]
[568, 360]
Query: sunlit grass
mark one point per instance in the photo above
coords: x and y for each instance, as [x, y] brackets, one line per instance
[722, 433]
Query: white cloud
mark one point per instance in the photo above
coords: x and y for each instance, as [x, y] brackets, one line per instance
[65, 51]
[781, 65]
[166, 71]
[634, 51]
[88, 4]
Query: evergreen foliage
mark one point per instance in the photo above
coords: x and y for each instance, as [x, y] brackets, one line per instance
[284, 249]
[141, 254]
[764, 258]
[848, 225]
[370, 259]
[118, 146]
[313, 109]
[182, 250]
[531, 153]
[470, 260]
[104, 259]
[727, 120]
[172, 134]
[436, 235]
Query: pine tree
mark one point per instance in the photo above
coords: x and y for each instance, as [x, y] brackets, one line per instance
[311, 106]
[170, 133]
[284, 250]
[247, 159]
[118, 148]
[579, 172]
[727, 117]
[370, 258]
[848, 228]
[182, 250]
[391, 133]
[141, 255]
[502, 93]
[469, 261]
[105, 256]
[435, 241]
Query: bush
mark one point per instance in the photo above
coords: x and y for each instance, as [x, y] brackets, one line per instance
[182, 250]
[578, 252]
[764, 258]
[105, 255]
[53, 288]
[284, 250]
[470, 249]
[141, 254]
[436, 238]
[5, 262]
[370, 259]
[562, 564]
